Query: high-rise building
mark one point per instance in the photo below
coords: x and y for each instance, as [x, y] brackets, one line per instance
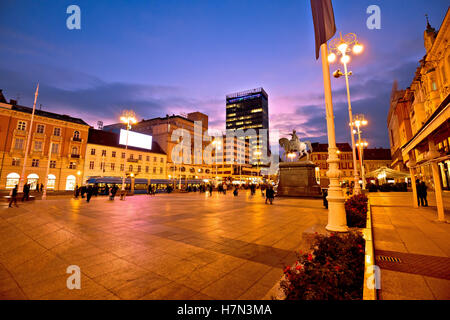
[249, 110]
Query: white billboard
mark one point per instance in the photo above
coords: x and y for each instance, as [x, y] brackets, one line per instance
[135, 139]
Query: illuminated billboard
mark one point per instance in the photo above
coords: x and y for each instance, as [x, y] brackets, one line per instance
[135, 139]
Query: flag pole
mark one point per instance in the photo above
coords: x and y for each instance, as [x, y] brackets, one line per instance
[337, 220]
[22, 176]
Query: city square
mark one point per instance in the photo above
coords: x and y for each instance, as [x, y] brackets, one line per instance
[261, 151]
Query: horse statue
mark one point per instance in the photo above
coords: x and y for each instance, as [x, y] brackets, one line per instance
[295, 145]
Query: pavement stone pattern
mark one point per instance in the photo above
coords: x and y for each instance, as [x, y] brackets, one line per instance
[418, 240]
[177, 246]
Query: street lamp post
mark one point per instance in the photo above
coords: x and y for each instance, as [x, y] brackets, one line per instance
[360, 121]
[128, 117]
[44, 193]
[343, 46]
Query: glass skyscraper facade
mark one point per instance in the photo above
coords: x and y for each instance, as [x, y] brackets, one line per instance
[249, 110]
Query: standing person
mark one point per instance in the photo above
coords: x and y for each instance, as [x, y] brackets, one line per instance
[90, 191]
[26, 192]
[210, 190]
[236, 192]
[113, 192]
[83, 191]
[424, 199]
[270, 195]
[419, 192]
[14, 196]
[42, 187]
[77, 191]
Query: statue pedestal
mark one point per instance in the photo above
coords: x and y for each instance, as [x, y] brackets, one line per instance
[298, 179]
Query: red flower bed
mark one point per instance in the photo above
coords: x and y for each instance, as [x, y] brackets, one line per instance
[356, 210]
[334, 270]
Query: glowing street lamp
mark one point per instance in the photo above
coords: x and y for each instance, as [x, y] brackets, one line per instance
[292, 156]
[342, 46]
[358, 123]
[218, 147]
[128, 117]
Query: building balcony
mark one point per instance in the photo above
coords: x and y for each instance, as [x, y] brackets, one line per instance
[73, 139]
[133, 160]
[20, 132]
[75, 156]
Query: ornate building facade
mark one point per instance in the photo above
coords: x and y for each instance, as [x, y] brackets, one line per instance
[57, 142]
[426, 153]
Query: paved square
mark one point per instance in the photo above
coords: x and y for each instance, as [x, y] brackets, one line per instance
[178, 246]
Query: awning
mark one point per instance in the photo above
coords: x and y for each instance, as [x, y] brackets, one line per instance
[387, 173]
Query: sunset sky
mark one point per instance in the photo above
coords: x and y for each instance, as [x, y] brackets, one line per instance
[166, 57]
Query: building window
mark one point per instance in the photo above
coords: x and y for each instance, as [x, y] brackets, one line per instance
[75, 151]
[162, 160]
[103, 153]
[113, 154]
[55, 148]
[35, 163]
[71, 182]
[40, 128]
[154, 159]
[52, 164]
[12, 180]
[57, 132]
[15, 162]
[123, 155]
[148, 158]
[73, 165]
[130, 168]
[146, 169]
[131, 156]
[102, 165]
[18, 145]
[76, 135]
[51, 182]
[21, 125]
[140, 157]
[161, 170]
[92, 152]
[113, 166]
[154, 170]
[122, 167]
[38, 146]
[91, 165]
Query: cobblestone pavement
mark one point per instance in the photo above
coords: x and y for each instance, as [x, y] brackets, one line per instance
[178, 246]
[418, 243]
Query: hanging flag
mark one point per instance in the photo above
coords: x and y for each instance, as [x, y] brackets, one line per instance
[324, 24]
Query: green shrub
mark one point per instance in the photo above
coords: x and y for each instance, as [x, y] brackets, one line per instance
[356, 210]
[333, 271]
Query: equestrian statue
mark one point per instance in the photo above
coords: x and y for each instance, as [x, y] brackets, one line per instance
[295, 146]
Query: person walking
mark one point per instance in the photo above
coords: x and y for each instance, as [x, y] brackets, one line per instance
[14, 196]
[270, 195]
[113, 192]
[90, 191]
[424, 197]
[42, 187]
[236, 191]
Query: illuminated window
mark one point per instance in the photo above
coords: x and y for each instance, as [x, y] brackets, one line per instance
[15, 162]
[12, 180]
[257, 110]
[51, 181]
[55, 148]
[52, 164]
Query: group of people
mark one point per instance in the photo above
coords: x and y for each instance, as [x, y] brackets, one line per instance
[422, 193]
[93, 190]
[25, 194]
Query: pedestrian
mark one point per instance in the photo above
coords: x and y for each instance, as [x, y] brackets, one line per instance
[83, 191]
[26, 192]
[210, 190]
[77, 191]
[424, 199]
[42, 187]
[89, 192]
[270, 195]
[13, 196]
[236, 192]
[113, 192]
[107, 190]
[324, 197]
[419, 192]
